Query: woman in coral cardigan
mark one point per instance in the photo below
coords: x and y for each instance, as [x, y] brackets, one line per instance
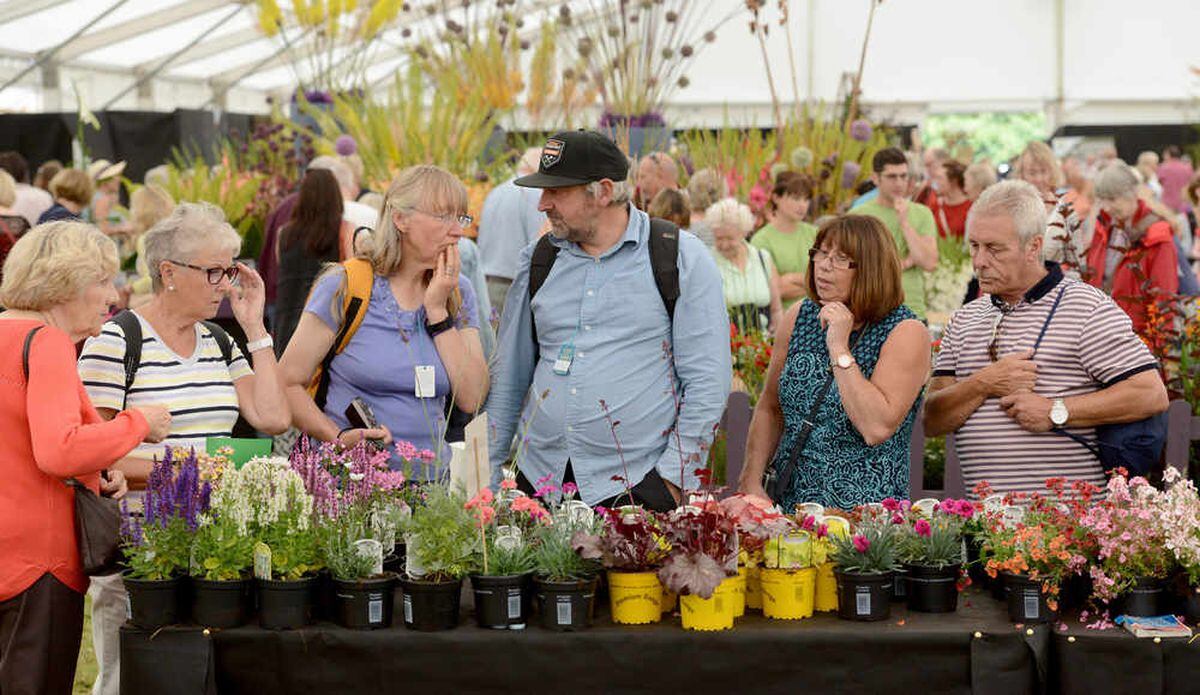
[57, 287]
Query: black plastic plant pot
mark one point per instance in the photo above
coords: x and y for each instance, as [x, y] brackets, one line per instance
[566, 606]
[1146, 598]
[899, 587]
[431, 606]
[1191, 604]
[285, 604]
[932, 589]
[220, 604]
[502, 602]
[322, 596]
[975, 567]
[154, 603]
[1027, 601]
[864, 596]
[1074, 592]
[364, 604]
[395, 563]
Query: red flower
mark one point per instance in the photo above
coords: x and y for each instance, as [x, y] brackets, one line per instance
[922, 528]
[861, 544]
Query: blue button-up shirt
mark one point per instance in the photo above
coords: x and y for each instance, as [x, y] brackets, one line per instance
[509, 222]
[627, 354]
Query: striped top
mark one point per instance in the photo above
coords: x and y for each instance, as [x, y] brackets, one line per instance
[1089, 345]
[198, 389]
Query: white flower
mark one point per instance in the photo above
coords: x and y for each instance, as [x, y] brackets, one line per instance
[356, 477]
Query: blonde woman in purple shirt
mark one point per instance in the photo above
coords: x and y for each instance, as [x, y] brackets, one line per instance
[421, 318]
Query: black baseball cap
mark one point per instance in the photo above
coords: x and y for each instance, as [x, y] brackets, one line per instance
[575, 157]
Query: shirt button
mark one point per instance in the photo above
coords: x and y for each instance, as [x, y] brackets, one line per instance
[574, 391]
[570, 428]
[587, 328]
[581, 353]
[590, 293]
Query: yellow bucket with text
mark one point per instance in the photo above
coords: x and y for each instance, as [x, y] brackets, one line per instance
[709, 614]
[753, 587]
[788, 594]
[826, 593]
[739, 593]
[635, 597]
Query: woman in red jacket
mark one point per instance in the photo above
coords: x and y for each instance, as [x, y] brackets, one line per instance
[1132, 256]
[57, 287]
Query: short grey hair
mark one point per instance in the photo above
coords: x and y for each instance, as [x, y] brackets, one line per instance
[189, 230]
[1016, 200]
[340, 171]
[622, 191]
[1115, 181]
[982, 174]
[705, 188]
[730, 213]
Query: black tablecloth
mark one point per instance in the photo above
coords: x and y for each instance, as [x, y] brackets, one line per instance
[976, 650]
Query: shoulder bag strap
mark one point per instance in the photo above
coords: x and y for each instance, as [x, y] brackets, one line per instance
[1053, 308]
[25, 351]
[132, 328]
[224, 342]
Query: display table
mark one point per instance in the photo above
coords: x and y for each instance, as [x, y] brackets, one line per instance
[976, 650]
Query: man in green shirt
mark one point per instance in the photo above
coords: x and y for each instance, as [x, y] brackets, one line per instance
[911, 224]
[786, 236]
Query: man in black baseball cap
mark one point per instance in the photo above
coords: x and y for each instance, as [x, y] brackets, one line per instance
[583, 332]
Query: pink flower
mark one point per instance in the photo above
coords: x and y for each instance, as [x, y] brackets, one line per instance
[822, 530]
[531, 507]
[569, 489]
[922, 528]
[426, 455]
[484, 497]
[758, 197]
[861, 544]
[891, 504]
[508, 485]
[809, 522]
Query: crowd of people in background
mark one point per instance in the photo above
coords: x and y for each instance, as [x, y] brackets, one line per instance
[601, 290]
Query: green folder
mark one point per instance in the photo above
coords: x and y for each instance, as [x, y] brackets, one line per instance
[243, 449]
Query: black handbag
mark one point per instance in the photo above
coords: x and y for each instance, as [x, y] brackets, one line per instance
[97, 519]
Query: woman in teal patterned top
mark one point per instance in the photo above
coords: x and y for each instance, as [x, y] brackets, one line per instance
[852, 324]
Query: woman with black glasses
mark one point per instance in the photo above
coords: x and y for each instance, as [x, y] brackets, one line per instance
[838, 406]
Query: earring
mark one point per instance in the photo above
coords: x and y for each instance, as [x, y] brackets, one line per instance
[171, 287]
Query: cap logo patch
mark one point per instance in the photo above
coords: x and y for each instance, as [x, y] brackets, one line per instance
[552, 152]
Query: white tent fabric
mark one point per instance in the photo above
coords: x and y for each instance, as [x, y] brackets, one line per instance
[1082, 61]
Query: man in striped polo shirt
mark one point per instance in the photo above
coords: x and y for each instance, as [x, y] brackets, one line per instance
[1000, 390]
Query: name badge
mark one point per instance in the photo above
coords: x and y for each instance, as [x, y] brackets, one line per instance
[566, 355]
[424, 380]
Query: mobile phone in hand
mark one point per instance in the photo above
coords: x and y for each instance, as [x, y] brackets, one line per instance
[360, 416]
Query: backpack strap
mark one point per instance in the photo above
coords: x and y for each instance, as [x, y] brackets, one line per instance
[129, 324]
[664, 261]
[544, 255]
[360, 277]
[25, 351]
[223, 341]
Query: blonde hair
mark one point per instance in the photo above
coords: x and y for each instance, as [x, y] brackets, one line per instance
[8, 189]
[1041, 153]
[53, 262]
[73, 185]
[705, 188]
[148, 206]
[729, 212]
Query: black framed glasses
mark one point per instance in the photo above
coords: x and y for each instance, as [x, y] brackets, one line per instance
[839, 261]
[214, 273]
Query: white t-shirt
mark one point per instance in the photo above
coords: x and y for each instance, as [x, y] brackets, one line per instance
[360, 215]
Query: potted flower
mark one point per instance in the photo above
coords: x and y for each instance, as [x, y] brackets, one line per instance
[221, 560]
[702, 565]
[864, 562]
[362, 591]
[564, 580]
[443, 540]
[1134, 561]
[931, 550]
[267, 501]
[1035, 556]
[158, 543]
[825, 596]
[631, 546]
[502, 579]
[899, 512]
[756, 522]
[789, 574]
[1181, 523]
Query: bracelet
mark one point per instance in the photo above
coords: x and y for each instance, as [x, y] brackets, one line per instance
[262, 344]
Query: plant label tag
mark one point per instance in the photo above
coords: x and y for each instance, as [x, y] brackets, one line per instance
[862, 602]
[509, 538]
[566, 355]
[470, 465]
[1032, 609]
[563, 611]
[514, 605]
[408, 609]
[372, 550]
[262, 561]
[375, 611]
[424, 379]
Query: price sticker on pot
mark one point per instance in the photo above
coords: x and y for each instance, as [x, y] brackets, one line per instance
[993, 504]
[509, 538]
[811, 508]
[372, 550]
[262, 561]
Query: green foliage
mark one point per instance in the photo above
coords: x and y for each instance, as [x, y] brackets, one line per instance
[295, 553]
[163, 552]
[941, 548]
[442, 534]
[879, 556]
[555, 556]
[220, 552]
[336, 538]
[994, 136]
[191, 179]
[507, 560]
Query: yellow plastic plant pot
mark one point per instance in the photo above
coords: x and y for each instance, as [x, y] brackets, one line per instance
[753, 587]
[739, 593]
[709, 614]
[788, 594]
[634, 597]
[826, 594]
[669, 600]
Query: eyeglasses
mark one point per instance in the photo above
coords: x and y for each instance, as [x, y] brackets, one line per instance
[463, 221]
[994, 344]
[839, 261]
[214, 274]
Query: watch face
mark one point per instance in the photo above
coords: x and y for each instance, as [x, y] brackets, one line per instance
[844, 361]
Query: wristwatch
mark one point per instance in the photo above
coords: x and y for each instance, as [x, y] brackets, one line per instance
[1058, 413]
[435, 329]
[261, 344]
[844, 361]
